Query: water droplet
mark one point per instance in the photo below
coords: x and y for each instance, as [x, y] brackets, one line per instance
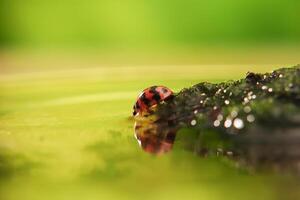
[250, 118]
[247, 109]
[217, 123]
[287, 89]
[246, 100]
[227, 123]
[220, 117]
[193, 122]
[238, 123]
[227, 101]
[218, 91]
[264, 87]
[219, 151]
[233, 113]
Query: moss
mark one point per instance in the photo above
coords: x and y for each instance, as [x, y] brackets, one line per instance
[250, 118]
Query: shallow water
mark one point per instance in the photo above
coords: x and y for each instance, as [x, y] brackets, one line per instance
[65, 134]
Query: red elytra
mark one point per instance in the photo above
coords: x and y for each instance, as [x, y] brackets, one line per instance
[151, 96]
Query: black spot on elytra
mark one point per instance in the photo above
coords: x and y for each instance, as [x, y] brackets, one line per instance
[156, 97]
[153, 89]
[145, 100]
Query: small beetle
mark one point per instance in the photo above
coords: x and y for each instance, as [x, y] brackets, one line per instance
[150, 97]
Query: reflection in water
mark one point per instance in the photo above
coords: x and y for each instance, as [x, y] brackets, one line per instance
[153, 135]
[256, 119]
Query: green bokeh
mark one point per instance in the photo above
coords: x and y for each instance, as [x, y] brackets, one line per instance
[141, 23]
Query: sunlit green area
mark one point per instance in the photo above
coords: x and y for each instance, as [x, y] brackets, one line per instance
[71, 70]
[68, 134]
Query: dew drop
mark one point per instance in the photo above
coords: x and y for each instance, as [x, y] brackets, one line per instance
[264, 87]
[193, 122]
[217, 123]
[227, 123]
[247, 109]
[250, 118]
[246, 100]
[287, 89]
[233, 113]
[238, 123]
[218, 91]
[220, 117]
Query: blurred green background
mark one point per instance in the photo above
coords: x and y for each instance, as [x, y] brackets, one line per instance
[142, 23]
[70, 72]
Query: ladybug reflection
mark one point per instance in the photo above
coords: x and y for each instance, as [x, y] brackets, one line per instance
[154, 137]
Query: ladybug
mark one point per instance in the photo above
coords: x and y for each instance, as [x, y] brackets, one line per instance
[151, 96]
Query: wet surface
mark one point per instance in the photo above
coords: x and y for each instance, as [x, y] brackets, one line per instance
[255, 120]
[154, 135]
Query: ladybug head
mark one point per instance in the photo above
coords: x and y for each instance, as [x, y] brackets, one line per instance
[135, 110]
